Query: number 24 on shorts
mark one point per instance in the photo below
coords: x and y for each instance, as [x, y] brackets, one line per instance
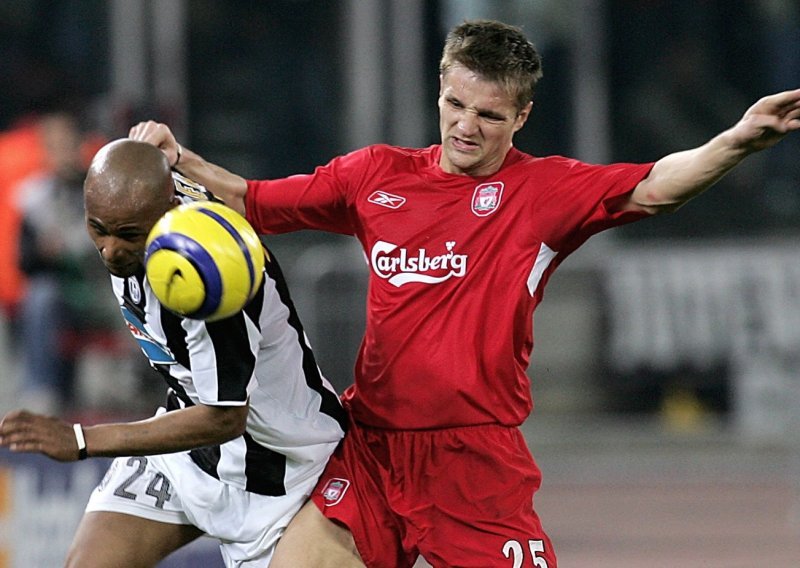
[513, 549]
[158, 488]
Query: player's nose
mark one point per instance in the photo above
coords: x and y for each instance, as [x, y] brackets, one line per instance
[468, 123]
[113, 251]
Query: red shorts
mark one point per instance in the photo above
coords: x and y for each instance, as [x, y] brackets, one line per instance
[458, 496]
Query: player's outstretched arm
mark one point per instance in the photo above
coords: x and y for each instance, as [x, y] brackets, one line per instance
[179, 430]
[221, 182]
[678, 177]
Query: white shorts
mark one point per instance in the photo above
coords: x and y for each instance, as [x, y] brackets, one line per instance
[170, 488]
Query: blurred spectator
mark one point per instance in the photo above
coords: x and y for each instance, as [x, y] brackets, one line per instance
[21, 154]
[59, 307]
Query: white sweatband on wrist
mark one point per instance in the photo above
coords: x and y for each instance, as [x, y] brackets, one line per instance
[82, 453]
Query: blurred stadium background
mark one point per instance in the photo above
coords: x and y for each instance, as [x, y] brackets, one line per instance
[667, 353]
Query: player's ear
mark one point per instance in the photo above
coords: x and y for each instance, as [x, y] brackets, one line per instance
[175, 201]
[522, 116]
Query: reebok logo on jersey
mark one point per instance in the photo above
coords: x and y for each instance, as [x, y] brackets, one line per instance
[400, 266]
[386, 199]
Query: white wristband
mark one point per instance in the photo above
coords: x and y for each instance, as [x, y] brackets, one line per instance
[82, 453]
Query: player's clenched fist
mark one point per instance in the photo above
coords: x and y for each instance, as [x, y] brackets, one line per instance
[23, 431]
[158, 135]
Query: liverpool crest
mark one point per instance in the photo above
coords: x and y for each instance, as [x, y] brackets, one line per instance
[486, 198]
[334, 490]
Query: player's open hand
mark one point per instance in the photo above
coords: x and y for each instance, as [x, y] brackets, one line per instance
[23, 431]
[768, 121]
[157, 134]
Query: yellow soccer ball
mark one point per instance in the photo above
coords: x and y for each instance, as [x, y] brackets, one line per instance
[204, 261]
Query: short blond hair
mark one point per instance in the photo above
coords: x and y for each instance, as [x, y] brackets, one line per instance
[497, 52]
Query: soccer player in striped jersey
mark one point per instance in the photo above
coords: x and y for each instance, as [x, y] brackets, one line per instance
[461, 238]
[249, 421]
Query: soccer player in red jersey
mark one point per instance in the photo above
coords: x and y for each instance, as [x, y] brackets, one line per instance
[461, 238]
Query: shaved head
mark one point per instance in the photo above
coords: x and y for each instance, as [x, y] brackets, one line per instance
[127, 189]
[127, 171]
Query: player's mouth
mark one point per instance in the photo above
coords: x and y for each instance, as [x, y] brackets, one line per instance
[463, 145]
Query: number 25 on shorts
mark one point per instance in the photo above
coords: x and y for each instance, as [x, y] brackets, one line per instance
[514, 550]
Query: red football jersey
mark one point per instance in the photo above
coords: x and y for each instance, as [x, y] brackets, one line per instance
[457, 266]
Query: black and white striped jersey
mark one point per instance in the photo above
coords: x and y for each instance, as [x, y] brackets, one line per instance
[260, 354]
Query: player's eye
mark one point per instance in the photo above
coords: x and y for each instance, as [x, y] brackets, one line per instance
[493, 118]
[131, 235]
[97, 229]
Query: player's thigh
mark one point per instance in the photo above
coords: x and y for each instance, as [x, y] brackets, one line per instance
[311, 540]
[105, 540]
[482, 512]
